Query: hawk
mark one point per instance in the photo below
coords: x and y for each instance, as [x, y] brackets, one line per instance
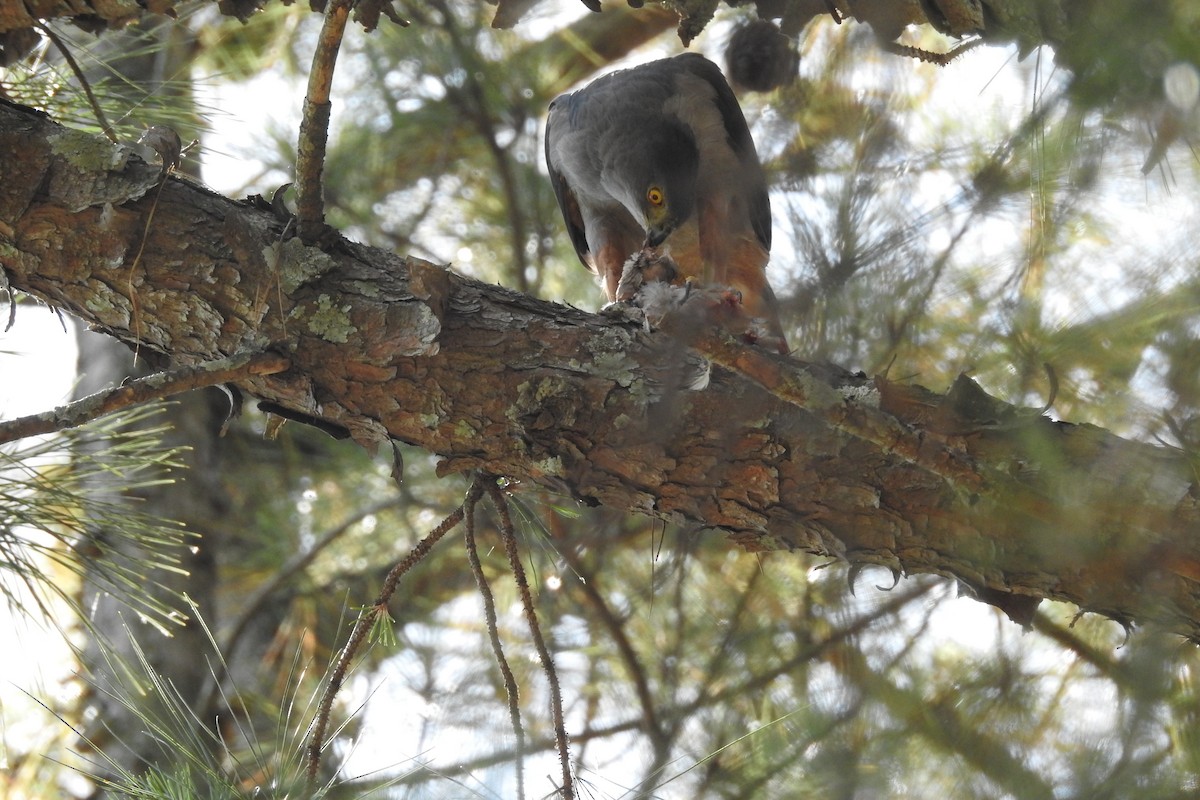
[659, 158]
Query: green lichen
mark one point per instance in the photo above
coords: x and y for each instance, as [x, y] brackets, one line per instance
[298, 264]
[549, 387]
[366, 289]
[330, 322]
[617, 367]
[865, 395]
[98, 304]
[86, 151]
[552, 395]
[549, 466]
[520, 406]
[531, 395]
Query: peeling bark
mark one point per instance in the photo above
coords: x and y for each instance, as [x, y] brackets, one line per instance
[776, 454]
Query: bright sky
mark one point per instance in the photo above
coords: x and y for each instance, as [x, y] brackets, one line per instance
[36, 371]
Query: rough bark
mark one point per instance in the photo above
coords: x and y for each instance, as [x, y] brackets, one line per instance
[776, 454]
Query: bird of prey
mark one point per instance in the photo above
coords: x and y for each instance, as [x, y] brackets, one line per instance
[659, 158]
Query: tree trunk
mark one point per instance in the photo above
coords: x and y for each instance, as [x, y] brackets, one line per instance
[774, 453]
[116, 645]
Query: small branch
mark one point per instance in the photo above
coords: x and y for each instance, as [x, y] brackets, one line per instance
[152, 387]
[940, 59]
[514, 560]
[314, 126]
[472, 103]
[83, 81]
[510, 682]
[365, 621]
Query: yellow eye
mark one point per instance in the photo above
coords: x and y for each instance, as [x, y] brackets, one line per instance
[655, 196]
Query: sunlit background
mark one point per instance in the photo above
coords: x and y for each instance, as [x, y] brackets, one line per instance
[928, 221]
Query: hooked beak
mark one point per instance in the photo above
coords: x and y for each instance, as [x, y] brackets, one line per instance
[658, 234]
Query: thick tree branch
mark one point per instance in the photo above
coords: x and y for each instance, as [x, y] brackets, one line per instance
[776, 454]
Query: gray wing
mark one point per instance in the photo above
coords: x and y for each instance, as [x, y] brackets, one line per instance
[567, 202]
[738, 133]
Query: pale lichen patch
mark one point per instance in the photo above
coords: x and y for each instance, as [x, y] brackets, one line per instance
[330, 322]
[298, 264]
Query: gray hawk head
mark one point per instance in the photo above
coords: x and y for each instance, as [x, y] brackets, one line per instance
[652, 172]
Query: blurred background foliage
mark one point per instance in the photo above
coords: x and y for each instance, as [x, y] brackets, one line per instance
[980, 217]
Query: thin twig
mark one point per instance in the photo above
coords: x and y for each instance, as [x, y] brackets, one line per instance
[83, 81]
[489, 612]
[940, 59]
[314, 125]
[153, 387]
[472, 102]
[535, 631]
[365, 621]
